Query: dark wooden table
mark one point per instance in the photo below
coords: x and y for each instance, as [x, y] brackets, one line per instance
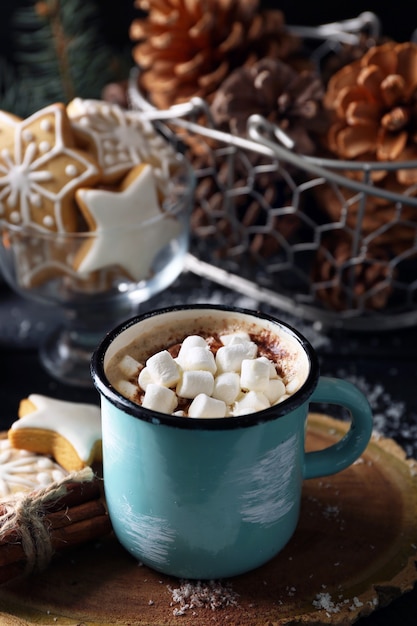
[383, 364]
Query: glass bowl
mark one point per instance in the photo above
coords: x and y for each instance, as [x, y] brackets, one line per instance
[97, 278]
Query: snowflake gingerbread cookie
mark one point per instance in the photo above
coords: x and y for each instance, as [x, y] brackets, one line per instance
[22, 471]
[120, 139]
[40, 170]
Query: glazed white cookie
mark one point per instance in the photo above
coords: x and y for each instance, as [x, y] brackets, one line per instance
[22, 471]
[40, 169]
[70, 432]
[128, 230]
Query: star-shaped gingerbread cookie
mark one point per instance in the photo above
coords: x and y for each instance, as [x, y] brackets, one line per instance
[40, 169]
[129, 226]
[70, 432]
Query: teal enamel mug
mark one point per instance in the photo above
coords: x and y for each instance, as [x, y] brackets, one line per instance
[214, 497]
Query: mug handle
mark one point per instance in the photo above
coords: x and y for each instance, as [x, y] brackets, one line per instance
[343, 453]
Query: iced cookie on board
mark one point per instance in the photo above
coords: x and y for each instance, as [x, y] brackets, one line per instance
[40, 169]
[70, 432]
[132, 212]
[22, 471]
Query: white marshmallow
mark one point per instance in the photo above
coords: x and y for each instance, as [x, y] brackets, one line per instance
[126, 389]
[163, 369]
[129, 366]
[194, 382]
[191, 341]
[144, 378]
[229, 358]
[254, 375]
[293, 385]
[272, 369]
[198, 358]
[243, 411]
[252, 401]
[159, 398]
[205, 406]
[234, 382]
[238, 337]
[275, 390]
[226, 387]
[241, 394]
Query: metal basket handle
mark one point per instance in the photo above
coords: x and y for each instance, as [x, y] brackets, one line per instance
[259, 129]
[266, 139]
[343, 31]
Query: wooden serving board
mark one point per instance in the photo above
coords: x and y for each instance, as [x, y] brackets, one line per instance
[355, 548]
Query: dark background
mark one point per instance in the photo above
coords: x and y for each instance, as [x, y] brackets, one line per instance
[385, 361]
[398, 19]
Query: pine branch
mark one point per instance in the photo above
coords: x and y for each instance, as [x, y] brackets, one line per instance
[60, 51]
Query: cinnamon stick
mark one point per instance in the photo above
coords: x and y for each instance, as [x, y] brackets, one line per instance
[34, 527]
[69, 516]
[78, 534]
[62, 525]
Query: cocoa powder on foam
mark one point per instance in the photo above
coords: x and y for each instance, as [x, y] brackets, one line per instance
[268, 345]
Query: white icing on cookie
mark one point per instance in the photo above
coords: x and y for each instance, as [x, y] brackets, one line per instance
[27, 136]
[122, 239]
[79, 423]
[44, 146]
[34, 167]
[45, 125]
[48, 221]
[71, 170]
[122, 139]
[23, 471]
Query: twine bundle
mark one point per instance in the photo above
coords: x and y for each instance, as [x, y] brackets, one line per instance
[35, 526]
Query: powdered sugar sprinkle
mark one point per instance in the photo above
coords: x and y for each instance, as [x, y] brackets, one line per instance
[211, 594]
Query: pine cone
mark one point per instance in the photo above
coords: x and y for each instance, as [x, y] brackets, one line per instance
[187, 48]
[272, 88]
[260, 218]
[347, 53]
[342, 281]
[379, 221]
[234, 212]
[374, 106]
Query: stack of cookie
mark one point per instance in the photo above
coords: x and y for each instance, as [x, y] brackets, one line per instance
[51, 439]
[50, 493]
[82, 168]
[68, 432]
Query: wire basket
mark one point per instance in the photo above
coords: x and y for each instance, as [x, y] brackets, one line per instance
[341, 272]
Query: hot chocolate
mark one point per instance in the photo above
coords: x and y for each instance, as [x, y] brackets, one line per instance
[212, 498]
[224, 371]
